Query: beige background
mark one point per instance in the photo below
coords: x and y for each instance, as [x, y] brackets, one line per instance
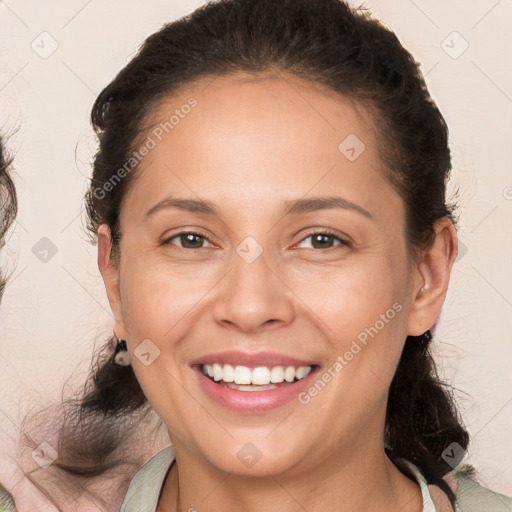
[54, 311]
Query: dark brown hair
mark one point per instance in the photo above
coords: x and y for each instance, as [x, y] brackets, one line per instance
[324, 42]
[8, 211]
[8, 203]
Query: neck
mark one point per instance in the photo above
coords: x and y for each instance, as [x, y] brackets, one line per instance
[361, 478]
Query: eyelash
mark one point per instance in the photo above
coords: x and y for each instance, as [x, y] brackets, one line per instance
[326, 232]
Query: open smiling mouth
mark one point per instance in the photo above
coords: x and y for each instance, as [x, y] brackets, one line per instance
[260, 378]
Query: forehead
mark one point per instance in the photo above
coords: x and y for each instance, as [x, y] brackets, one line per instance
[260, 136]
[266, 105]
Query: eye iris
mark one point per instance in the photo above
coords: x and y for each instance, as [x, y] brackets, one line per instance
[322, 238]
[187, 239]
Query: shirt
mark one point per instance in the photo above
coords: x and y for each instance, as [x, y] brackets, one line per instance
[146, 485]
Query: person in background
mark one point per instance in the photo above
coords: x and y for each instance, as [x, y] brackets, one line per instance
[8, 210]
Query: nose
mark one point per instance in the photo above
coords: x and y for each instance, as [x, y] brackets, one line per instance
[253, 297]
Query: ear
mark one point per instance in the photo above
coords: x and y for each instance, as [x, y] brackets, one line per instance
[431, 278]
[110, 278]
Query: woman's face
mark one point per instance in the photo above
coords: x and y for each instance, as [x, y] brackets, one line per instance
[256, 285]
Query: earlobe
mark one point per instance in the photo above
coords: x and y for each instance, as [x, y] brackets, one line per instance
[431, 279]
[110, 277]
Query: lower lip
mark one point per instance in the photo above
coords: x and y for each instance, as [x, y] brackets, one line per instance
[253, 401]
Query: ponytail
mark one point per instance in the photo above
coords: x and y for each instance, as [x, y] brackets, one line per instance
[422, 420]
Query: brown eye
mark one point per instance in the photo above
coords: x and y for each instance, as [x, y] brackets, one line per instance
[188, 240]
[324, 240]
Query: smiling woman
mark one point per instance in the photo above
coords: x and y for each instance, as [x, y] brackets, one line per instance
[287, 237]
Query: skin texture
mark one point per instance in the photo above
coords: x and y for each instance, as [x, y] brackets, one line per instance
[249, 146]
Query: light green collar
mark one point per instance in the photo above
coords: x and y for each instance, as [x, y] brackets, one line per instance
[144, 490]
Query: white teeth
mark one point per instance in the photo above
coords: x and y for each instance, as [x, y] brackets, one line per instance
[228, 373]
[302, 371]
[242, 375]
[217, 372]
[251, 388]
[260, 376]
[277, 374]
[289, 374]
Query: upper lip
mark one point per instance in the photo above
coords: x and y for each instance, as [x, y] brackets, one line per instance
[251, 359]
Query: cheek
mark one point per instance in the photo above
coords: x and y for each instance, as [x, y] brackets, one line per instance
[157, 297]
[361, 312]
[159, 305]
[347, 298]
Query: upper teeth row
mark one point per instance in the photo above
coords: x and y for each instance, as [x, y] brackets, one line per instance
[260, 375]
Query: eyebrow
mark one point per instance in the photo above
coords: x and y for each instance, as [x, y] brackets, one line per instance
[295, 207]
